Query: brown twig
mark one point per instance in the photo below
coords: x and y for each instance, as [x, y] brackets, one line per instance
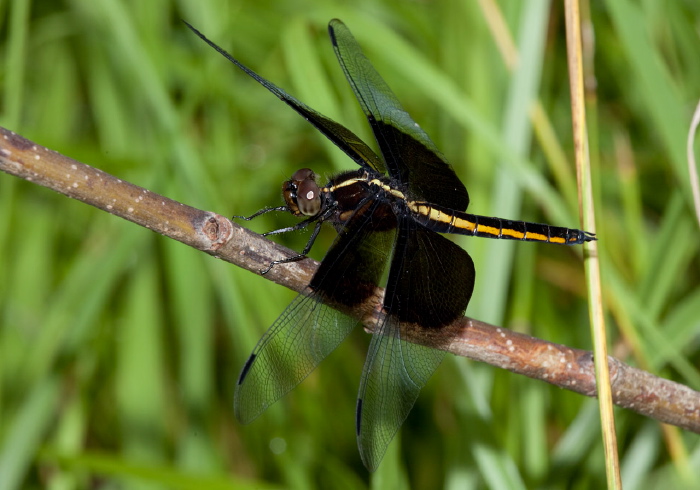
[568, 368]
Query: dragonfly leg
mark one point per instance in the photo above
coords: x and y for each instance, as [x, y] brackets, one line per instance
[298, 257]
[299, 226]
[261, 212]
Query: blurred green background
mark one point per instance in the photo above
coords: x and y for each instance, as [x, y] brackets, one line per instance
[119, 349]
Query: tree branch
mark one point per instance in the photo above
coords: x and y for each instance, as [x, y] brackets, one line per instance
[568, 368]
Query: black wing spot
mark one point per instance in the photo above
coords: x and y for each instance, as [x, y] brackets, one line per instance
[358, 416]
[246, 368]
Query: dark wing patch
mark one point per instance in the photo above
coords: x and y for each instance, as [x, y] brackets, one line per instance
[308, 330]
[430, 283]
[353, 267]
[431, 279]
[410, 155]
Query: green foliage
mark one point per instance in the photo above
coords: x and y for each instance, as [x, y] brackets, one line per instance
[119, 349]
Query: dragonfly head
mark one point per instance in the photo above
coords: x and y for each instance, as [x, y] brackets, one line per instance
[301, 193]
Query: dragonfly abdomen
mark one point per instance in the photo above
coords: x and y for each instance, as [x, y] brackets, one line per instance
[445, 220]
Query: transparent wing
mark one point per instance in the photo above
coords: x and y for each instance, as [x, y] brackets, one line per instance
[308, 330]
[430, 284]
[394, 373]
[303, 335]
[410, 155]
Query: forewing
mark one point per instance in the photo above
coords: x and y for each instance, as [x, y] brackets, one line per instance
[345, 139]
[308, 330]
[303, 335]
[430, 283]
[353, 267]
[410, 155]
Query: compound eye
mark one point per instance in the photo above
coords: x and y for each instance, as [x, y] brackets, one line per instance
[303, 174]
[301, 193]
[309, 197]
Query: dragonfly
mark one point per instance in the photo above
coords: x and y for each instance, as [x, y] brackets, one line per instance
[390, 213]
